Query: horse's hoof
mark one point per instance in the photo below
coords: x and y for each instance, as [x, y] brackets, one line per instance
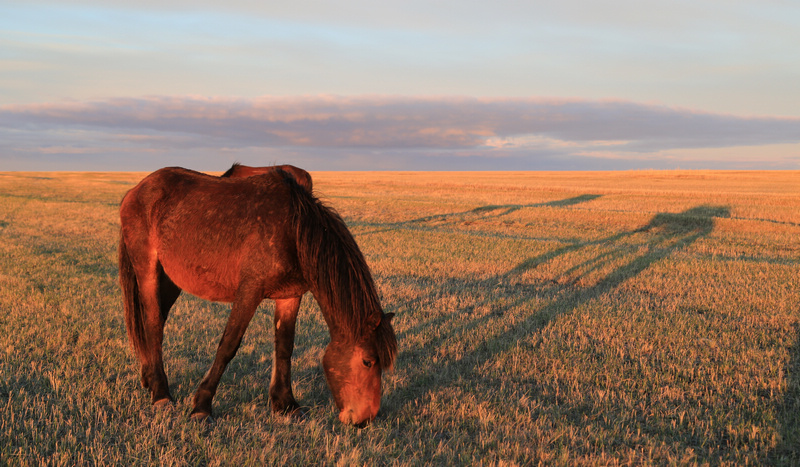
[202, 417]
[291, 410]
[295, 413]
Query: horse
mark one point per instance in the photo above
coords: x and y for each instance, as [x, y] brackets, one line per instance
[242, 240]
[302, 177]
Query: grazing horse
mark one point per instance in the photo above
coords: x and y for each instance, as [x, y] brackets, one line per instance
[242, 240]
[302, 177]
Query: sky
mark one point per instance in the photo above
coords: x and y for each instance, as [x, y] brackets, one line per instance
[400, 85]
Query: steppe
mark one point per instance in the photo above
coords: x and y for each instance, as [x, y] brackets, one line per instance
[563, 318]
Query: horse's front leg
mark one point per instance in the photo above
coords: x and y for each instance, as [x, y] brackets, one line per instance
[241, 313]
[280, 386]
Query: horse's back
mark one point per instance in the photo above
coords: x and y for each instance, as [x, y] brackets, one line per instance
[174, 184]
[163, 183]
[205, 231]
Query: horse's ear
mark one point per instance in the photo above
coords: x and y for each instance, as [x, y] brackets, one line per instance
[375, 320]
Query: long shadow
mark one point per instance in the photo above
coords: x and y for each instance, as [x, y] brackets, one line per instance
[637, 250]
[787, 452]
[503, 209]
[479, 213]
[691, 225]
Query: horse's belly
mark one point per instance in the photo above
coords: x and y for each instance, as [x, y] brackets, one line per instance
[207, 281]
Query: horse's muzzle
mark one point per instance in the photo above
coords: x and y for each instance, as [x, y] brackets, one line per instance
[348, 417]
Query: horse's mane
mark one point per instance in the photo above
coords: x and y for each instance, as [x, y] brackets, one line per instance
[337, 273]
[230, 171]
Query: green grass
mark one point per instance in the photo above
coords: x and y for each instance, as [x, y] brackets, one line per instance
[556, 318]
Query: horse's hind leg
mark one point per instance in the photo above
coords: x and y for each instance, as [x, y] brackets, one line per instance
[244, 306]
[280, 386]
[168, 293]
[158, 294]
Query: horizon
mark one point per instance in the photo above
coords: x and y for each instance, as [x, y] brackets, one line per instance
[454, 171]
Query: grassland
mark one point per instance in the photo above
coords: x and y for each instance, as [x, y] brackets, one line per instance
[556, 318]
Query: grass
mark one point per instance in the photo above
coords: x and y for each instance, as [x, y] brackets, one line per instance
[557, 318]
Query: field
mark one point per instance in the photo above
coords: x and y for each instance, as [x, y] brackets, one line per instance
[556, 318]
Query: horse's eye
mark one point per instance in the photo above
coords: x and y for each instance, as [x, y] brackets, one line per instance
[367, 363]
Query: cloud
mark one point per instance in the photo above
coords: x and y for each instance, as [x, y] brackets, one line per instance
[454, 126]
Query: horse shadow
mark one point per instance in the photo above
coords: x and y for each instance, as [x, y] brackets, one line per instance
[626, 255]
[787, 452]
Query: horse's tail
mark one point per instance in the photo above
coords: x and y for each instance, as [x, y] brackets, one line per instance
[134, 316]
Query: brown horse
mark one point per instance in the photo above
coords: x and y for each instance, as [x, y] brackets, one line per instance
[242, 240]
[302, 177]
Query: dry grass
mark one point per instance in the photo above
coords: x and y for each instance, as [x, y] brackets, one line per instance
[562, 318]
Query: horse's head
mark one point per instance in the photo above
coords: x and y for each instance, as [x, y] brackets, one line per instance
[353, 370]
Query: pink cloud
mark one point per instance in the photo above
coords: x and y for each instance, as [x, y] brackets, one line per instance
[388, 123]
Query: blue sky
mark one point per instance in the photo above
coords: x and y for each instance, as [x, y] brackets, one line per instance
[427, 85]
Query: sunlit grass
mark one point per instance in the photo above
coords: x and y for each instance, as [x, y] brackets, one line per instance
[564, 318]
